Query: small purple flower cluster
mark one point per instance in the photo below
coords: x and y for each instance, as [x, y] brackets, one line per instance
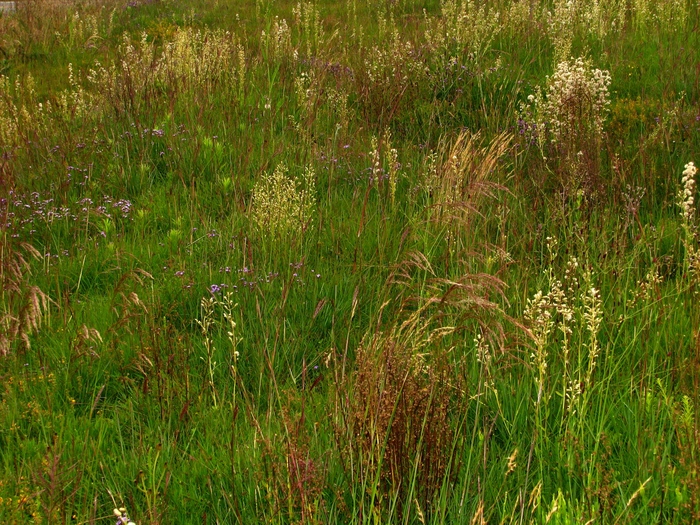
[146, 132]
[247, 280]
[252, 282]
[216, 288]
[335, 69]
[298, 266]
[22, 214]
[324, 159]
[529, 131]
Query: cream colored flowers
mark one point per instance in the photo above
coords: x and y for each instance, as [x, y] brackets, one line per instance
[575, 102]
[686, 197]
[281, 205]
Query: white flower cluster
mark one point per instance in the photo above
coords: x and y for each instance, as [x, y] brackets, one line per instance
[122, 517]
[573, 106]
[277, 43]
[577, 99]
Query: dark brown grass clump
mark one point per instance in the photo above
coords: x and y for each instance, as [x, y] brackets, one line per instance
[400, 410]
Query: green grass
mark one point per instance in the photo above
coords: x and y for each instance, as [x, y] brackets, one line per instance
[384, 359]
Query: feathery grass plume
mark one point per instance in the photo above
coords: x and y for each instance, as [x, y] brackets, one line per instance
[462, 174]
[404, 387]
[85, 340]
[22, 313]
[478, 517]
[22, 306]
[281, 206]
[686, 202]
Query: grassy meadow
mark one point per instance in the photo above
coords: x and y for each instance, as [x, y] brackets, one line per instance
[349, 262]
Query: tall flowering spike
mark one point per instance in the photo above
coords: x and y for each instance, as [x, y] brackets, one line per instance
[686, 198]
[686, 202]
[593, 315]
[538, 313]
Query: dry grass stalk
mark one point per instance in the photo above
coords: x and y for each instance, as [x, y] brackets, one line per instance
[22, 306]
[465, 175]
